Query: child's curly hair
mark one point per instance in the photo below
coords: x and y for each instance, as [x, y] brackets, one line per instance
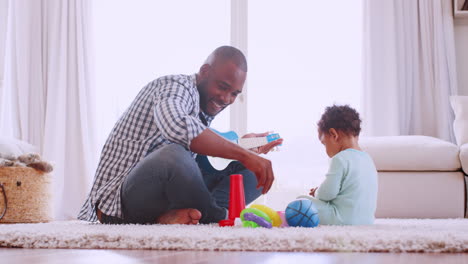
[342, 118]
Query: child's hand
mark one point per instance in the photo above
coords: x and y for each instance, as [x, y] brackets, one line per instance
[312, 191]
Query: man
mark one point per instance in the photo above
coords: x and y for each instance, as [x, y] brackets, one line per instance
[148, 171]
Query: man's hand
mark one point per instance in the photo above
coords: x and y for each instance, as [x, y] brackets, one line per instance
[312, 191]
[263, 170]
[265, 148]
[210, 143]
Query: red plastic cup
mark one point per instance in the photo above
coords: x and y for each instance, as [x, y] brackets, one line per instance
[236, 199]
[236, 196]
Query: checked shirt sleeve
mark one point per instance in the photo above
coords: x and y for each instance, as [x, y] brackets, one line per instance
[176, 113]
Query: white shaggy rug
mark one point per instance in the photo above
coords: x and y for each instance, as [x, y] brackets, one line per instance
[386, 235]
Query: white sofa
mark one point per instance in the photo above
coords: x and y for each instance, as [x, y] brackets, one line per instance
[464, 158]
[419, 176]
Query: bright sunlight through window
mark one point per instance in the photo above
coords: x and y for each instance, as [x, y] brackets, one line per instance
[303, 55]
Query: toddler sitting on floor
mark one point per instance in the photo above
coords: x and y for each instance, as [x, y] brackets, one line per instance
[348, 196]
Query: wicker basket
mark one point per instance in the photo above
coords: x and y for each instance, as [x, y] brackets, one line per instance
[25, 195]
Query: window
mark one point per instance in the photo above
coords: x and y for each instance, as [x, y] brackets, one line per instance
[303, 56]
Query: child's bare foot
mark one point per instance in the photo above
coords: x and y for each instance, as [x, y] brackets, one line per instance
[187, 216]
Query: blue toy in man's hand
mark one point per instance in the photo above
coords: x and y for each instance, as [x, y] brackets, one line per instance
[248, 143]
[213, 164]
[302, 213]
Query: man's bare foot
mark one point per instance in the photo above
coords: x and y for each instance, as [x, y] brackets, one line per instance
[187, 216]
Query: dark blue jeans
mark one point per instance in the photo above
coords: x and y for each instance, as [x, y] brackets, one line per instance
[169, 178]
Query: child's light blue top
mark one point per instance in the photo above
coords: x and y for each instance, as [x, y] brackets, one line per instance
[348, 196]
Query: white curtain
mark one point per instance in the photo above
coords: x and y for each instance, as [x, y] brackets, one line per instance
[3, 23]
[47, 99]
[409, 68]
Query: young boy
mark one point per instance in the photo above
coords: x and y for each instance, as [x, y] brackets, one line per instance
[348, 196]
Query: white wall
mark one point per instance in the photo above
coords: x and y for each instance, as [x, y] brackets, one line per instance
[461, 49]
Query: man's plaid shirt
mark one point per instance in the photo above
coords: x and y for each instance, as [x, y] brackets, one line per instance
[165, 111]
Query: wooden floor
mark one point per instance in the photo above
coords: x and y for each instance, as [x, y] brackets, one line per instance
[30, 256]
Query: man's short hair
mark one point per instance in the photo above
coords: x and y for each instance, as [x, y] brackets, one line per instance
[228, 53]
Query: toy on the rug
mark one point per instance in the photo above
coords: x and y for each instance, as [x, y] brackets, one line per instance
[260, 216]
[252, 217]
[302, 213]
[298, 213]
[284, 223]
[236, 199]
[272, 214]
[255, 216]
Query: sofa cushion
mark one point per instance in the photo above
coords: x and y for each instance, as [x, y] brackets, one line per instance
[460, 124]
[464, 157]
[412, 153]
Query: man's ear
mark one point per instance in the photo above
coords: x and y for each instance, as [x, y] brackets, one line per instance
[334, 134]
[204, 71]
